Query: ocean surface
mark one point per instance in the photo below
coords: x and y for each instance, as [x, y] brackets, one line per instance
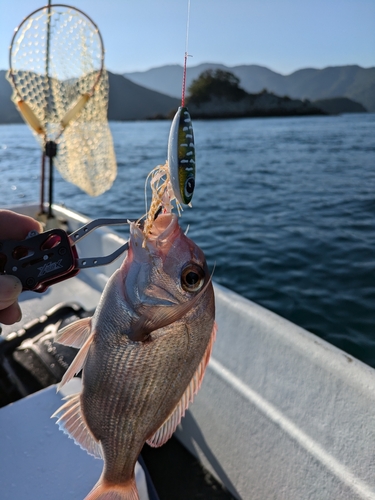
[284, 208]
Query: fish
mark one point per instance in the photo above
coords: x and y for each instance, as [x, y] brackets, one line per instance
[143, 353]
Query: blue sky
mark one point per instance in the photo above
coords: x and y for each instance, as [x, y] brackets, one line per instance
[284, 35]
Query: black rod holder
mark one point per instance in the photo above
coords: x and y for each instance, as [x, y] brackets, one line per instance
[51, 151]
[42, 181]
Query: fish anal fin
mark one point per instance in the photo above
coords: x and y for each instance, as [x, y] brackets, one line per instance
[165, 432]
[77, 363]
[71, 422]
[75, 334]
[107, 491]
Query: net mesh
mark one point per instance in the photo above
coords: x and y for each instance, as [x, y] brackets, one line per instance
[56, 58]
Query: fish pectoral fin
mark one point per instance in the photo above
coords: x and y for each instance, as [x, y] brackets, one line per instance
[77, 363]
[165, 432]
[71, 422]
[75, 334]
[160, 316]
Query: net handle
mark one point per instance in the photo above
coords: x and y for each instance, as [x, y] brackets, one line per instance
[50, 7]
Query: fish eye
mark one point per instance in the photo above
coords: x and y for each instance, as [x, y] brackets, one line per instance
[189, 187]
[192, 278]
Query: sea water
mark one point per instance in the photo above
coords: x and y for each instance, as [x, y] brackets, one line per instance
[284, 209]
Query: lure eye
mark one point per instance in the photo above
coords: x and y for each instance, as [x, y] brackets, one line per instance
[192, 278]
[189, 187]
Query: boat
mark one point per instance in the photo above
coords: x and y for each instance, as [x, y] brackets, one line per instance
[281, 413]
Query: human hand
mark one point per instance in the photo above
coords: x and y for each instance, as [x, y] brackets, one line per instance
[13, 226]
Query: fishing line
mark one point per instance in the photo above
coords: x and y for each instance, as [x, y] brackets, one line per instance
[186, 56]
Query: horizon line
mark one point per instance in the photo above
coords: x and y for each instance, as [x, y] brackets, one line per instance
[238, 65]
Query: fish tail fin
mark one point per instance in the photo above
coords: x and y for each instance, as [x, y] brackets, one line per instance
[107, 491]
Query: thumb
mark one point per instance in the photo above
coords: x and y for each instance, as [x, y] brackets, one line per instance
[10, 288]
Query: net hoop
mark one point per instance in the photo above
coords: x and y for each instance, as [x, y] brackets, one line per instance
[48, 7]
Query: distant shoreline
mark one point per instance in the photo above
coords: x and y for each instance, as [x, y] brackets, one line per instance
[349, 81]
[163, 119]
[129, 101]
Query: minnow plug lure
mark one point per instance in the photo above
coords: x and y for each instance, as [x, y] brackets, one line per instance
[181, 156]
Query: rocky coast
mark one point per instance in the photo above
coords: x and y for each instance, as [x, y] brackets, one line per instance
[252, 105]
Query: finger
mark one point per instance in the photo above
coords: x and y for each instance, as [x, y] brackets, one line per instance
[10, 288]
[16, 226]
[11, 314]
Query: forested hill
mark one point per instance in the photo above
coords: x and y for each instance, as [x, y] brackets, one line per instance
[353, 82]
[217, 94]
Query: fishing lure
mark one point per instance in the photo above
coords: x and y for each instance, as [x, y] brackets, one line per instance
[176, 179]
[181, 149]
[181, 156]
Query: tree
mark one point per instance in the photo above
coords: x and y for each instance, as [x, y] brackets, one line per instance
[215, 83]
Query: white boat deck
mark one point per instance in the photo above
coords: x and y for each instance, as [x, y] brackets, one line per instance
[39, 462]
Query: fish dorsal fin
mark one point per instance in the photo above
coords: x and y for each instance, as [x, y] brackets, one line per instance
[161, 316]
[71, 422]
[77, 363]
[164, 432]
[75, 334]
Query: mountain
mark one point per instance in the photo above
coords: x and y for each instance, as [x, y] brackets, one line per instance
[127, 101]
[353, 82]
[8, 111]
[168, 79]
[131, 101]
[338, 105]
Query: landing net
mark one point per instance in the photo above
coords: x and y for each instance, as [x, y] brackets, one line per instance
[61, 89]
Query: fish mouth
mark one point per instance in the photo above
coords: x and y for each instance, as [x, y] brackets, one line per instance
[163, 226]
[165, 229]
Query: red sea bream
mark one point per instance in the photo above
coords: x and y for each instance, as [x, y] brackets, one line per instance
[143, 353]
